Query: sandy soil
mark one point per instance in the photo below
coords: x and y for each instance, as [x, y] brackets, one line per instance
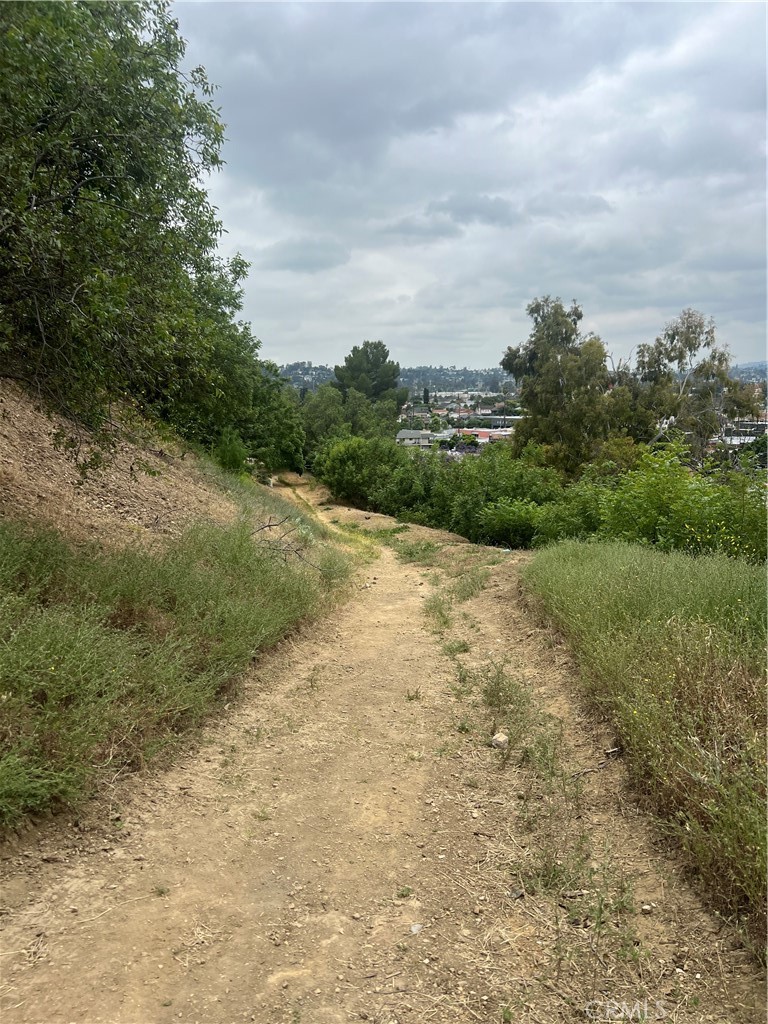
[340, 847]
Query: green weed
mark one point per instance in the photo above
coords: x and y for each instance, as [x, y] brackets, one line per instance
[438, 608]
[673, 651]
[469, 584]
[425, 552]
[508, 699]
[106, 658]
[465, 682]
[454, 647]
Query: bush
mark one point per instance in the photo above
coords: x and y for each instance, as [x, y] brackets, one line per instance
[663, 502]
[399, 491]
[356, 467]
[512, 523]
[230, 452]
[500, 499]
[506, 476]
[578, 515]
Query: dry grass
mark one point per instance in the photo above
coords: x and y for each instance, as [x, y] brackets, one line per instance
[673, 649]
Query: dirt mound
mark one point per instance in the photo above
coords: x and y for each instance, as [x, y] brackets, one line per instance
[143, 494]
[335, 512]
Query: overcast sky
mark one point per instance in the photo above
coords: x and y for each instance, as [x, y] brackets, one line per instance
[419, 172]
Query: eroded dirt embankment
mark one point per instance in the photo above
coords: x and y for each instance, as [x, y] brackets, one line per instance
[344, 844]
[142, 495]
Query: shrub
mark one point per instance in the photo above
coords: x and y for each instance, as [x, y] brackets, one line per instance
[665, 503]
[105, 658]
[512, 523]
[506, 476]
[355, 467]
[230, 452]
[578, 514]
[399, 491]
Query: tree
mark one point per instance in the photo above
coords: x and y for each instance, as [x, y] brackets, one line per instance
[683, 377]
[110, 285]
[369, 370]
[563, 380]
[327, 415]
[323, 418]
[273, 430]
[426, 396]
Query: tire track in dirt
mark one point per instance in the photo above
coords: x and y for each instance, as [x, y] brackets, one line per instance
[322, 857]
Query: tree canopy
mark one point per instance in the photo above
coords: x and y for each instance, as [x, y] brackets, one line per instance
[563, 381]
[111, 287]
[573, 403]
[369, 370]
[684, 373]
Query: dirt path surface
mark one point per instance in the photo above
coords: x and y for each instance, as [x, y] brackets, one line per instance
[345, 845]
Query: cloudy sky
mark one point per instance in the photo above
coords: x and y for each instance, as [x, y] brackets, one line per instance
[419, 172]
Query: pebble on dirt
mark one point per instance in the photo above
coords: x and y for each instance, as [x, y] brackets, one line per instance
[500, 741]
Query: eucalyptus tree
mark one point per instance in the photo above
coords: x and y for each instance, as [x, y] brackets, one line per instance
[563, 380]
[684, 375]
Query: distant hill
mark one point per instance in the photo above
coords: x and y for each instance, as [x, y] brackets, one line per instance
[452, 378]
[455, 379]
[307, 374]
[415, 378]
[750, 371]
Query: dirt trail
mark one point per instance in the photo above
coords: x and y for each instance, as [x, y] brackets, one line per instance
[339, 848]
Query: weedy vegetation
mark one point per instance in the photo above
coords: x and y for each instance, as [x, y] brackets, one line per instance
[579, 895]
[673, 653]
[437, 608]
[105, 658]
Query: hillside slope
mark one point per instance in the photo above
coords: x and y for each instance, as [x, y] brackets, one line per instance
[120, 504]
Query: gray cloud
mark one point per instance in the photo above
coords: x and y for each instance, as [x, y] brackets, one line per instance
[565, 205]
[429, 169]
[422, 230]
[303, 255]
[477, 209]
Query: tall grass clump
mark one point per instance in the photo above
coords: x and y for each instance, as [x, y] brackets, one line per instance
[673, 651]
[104, 658]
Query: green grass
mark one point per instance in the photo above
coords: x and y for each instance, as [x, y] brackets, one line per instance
[385, 532]
[454, 647]
[469, 584]
[437, 608]
[105, 658]
[424, 552]
[673, 651]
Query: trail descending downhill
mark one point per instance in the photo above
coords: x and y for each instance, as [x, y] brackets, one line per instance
[344, 844]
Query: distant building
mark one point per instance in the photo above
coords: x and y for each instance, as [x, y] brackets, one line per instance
[484, 436]
[415, 438]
